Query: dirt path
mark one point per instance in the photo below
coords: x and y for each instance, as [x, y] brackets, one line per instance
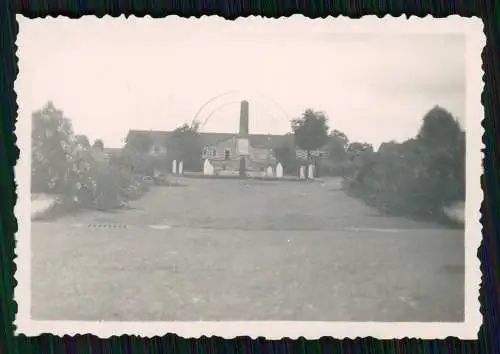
[246, 250]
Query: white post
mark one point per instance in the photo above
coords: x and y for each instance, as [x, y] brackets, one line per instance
[206, 167]
[181, 167]
[310, 173]
[302, 172]
[174, 167]
[279, 170]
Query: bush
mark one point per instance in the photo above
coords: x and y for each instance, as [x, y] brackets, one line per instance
[107, 188]
[339, 169]
[66, 165]
[419, 177]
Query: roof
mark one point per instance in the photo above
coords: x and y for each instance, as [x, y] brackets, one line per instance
[256, 140]
[158, 137]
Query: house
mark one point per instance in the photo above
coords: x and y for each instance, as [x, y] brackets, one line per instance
[221, 148]
[222, 151]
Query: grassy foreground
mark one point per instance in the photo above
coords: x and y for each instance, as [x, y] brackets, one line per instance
[246, 250]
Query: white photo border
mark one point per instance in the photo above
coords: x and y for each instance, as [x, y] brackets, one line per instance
[472, 28]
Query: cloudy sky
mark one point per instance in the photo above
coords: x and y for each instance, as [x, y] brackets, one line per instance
[113, 75]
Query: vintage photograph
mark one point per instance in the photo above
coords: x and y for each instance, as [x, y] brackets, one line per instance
[185, 170]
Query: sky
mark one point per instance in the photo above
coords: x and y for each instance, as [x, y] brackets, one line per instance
[114, 74]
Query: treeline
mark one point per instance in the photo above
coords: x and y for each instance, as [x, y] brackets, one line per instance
[418, 177]
[65, 164]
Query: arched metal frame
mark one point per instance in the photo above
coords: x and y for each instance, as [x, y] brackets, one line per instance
[225, 104]
[218, 108]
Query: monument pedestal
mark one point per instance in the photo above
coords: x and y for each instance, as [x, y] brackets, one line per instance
[243, 169]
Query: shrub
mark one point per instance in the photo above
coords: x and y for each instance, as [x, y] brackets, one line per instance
[418, 177]
[67, 165]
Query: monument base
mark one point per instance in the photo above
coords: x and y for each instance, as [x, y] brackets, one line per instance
[243, 169]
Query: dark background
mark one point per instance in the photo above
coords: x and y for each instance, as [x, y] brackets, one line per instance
[488, 337]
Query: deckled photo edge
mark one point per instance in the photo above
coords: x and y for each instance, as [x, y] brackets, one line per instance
[473, 28]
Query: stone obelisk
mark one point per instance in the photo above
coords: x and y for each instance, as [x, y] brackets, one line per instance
[243, 137]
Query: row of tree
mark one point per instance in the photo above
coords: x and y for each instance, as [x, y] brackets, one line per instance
[417, 177]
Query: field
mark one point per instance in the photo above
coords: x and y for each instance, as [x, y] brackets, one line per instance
[216, 249]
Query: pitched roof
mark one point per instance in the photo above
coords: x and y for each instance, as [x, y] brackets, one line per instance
[268, 141]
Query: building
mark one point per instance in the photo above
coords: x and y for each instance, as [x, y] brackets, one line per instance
[221, 148]
[222, 151]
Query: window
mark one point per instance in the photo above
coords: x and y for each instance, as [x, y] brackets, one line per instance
[208, 152]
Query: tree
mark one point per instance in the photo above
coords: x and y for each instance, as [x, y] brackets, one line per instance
[99, 144]
[53, 144]
[337, 146]
[442, 143]
[83, 141]
[134, 156]
[139, 143]
[439, 128]
[389, 147]
[310, 131]
[356, 150]
[185, 144]
[286, 155]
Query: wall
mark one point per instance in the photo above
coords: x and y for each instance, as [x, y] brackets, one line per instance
[259, 154]
[220, 148]
[259, 159]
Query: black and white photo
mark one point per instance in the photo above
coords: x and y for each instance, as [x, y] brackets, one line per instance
[259, 177]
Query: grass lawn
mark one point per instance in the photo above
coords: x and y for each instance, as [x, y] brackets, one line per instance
[246, 250]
